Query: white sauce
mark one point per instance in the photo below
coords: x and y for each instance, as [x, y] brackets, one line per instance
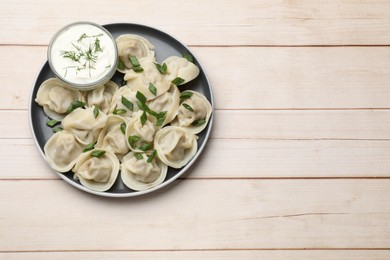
[83, 71]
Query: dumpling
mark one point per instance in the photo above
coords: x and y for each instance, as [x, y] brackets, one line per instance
[139, 174]
[55, 98]
[168, 102]
[140, 81]
[102, 96]
[194, 112]
[97, 169]
[132, 45]
[61, 151]
[112, 137]
[181, 67]
[83, 124]
[175, 146]
[120, 101]
[140, 135]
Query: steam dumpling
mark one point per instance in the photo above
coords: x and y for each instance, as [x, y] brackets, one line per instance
[194, 112]
[139, 174]
[140, 81]
[102, 96]
[97, 172]
[117, 101]
[132, 45]
[175, 146]
[61, 151]
[83, 124]
[181, 67]
[112, 137]
[169, 102]
[140, 136]
[55, 98]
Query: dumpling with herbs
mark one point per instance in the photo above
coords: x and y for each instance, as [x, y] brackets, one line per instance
[55, 98]
[129, 46]
[62, 150]
[124, 102]
[194, 112]
[97, 169]
[102, 96]
[175, 146]
[85, 124]
[142, 171]
[179, 67]
[140, 132]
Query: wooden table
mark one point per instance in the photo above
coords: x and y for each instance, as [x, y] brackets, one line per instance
[298, 163]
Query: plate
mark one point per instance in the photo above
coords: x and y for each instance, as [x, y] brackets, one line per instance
[165, 46]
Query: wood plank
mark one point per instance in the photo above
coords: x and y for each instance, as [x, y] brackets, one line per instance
[268, 78]
[225, 254]
[247, 159]
[219, 214]
[219, 23]
[270, 124]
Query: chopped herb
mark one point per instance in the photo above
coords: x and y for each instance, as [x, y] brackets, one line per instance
[188, 107]
[57, 129]
[96, 111]
[98, 153]
[74, 105]
[162, 114]
[198, 122]
[143, 118]
[185, 95]
[134, 61]
[177, 81]
[152, 156]
[127, 103]
[121, 65]
[141, 97]
[145, 147]
[161, 68]
[123, 128]
[160, 121]
[133, 139]
[152, 88]
[119, 111]
[138, 69]
[189, 57]
[52, 122]
[138, 156]
[89, 147]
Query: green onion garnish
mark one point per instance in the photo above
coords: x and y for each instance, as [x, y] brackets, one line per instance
[96, 111]
[198, 122]
[127, 103]
[138, 156]
[121, 65]
[74, 105]
[134, 61]
[138, 69]
[98, 153]
[145, 146]
[189, 57]
[133, 139]
[57, 129]
[188, 107]
[185, 95]
[123, 128]
[177, 81]
[89, 147]
[152, 156]
[119, 111]
[141, 97]
[161, 68]
[143, 118]
[52, 122]
[152, 88]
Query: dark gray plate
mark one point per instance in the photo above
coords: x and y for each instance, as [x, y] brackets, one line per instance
[165, 46]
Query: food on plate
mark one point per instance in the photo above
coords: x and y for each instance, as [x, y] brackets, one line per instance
[137, 129]
[97, 169]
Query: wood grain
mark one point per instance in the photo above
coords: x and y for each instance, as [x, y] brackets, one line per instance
[198, 215]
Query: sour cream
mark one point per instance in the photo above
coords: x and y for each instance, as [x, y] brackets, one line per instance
[84, 55]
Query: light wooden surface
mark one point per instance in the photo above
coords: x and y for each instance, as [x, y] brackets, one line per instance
[298, 164]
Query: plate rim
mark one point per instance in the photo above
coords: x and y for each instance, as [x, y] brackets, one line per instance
[134, 193]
